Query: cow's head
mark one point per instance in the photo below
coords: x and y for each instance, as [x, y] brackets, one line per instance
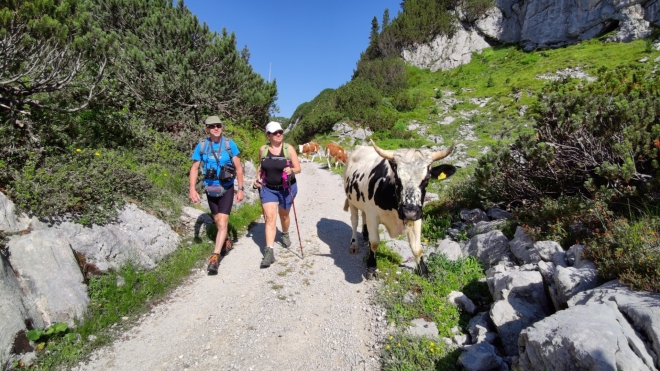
[412, 171]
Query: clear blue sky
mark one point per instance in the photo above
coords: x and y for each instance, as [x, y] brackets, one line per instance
[310, 45]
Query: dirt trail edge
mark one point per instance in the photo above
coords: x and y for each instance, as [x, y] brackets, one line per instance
[314, 313]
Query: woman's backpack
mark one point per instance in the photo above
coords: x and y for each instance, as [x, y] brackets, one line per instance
[285, 152]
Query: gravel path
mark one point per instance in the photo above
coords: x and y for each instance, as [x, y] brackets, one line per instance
[314, 313]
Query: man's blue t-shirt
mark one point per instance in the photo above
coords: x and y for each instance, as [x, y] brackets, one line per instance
[210, 161]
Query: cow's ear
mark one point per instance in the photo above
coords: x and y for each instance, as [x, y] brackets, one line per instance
[442, 171]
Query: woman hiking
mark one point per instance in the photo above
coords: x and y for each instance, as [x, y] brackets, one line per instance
[220, 165]
[278, 163]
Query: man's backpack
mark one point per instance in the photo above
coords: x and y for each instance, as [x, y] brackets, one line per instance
[204, 150]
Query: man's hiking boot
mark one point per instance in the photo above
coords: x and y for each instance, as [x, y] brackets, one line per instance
[214, 261]
[269, 257]
[286, 241]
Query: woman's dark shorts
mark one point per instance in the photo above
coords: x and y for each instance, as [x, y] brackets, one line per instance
[223, 204]
[281, 196]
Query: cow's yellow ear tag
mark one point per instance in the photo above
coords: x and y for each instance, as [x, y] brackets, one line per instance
[442, 176]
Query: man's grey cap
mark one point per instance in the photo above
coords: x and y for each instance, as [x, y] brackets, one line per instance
[212, 120]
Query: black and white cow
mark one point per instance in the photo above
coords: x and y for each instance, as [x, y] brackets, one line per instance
[388, 187]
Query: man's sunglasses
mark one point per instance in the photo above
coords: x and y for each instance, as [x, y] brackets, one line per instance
[279, 132]
[214, 126]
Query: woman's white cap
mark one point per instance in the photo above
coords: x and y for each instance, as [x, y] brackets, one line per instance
[273, 127]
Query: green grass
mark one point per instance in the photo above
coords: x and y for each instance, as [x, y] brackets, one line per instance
[403, 352]
[140, 290]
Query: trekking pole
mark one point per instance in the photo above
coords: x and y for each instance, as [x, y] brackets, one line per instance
[295, 216]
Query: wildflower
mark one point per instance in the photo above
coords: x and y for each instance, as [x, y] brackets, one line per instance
[398, 344]
[165, 174]
[78, 150]
[97, 154]
[387, 347]
[432, 344]
[391, 337]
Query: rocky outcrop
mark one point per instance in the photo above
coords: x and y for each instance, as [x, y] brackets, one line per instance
[641, 309]
[444, 52]
[584, 337]
[548, 312]
[137, 237]
[49, 276]
[44, 266]
[9, 221]
[520, 301]
[537, 24]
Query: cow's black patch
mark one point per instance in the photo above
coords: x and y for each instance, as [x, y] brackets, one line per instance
[352, 184]
[381, 188]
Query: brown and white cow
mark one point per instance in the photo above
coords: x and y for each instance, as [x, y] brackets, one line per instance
[311, 148]
[334, 151]
[388, 187]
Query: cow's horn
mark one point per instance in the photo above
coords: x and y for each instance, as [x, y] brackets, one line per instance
[388, 155]
[439, 155]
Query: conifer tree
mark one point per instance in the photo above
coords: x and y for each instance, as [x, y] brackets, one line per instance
[386, 18]
[47, 47]
[173, 68]
[372, 51]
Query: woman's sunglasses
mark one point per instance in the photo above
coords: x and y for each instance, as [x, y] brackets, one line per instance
[214, 126]
[279, 132]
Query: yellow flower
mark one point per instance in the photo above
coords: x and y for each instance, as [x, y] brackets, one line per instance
[432, 344]
[165, 174]
[387, 347]
[426, 240]
[97, 154]
[398, 344]
[391, 337]
[78, 150]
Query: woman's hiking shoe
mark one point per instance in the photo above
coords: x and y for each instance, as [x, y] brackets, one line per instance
[214, 261]
[286, 241]
[269, 257]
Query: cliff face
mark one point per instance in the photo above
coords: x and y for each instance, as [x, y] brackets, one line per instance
[535, 24]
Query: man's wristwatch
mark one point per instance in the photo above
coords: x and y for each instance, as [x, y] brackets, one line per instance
[240, 188]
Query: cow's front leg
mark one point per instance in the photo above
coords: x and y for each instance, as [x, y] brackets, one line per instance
[354, 223]
[414, 232]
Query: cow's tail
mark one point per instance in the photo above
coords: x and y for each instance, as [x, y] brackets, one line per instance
[346, 205]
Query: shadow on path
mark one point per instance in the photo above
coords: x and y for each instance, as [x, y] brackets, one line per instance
[337, 235]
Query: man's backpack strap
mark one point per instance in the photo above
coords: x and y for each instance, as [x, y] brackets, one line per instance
[202, 149]
[228, 148]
